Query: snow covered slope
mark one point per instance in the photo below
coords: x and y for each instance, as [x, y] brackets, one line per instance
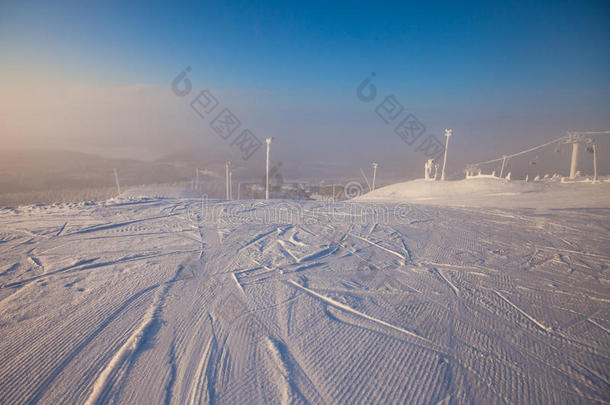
[175, 300]
[495, 192]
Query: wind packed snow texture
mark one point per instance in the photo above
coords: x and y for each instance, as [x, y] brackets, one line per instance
[151, 300]
[496, 192]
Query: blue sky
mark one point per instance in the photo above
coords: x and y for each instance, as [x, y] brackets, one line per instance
[322, 46]
[503, 74]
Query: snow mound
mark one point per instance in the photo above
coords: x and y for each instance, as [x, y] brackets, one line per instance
[496, 192]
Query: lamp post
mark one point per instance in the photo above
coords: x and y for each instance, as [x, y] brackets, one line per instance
[503, 164]
[574, 139]
[594, 164]
[116, 179]
[227, 164]
[374, 164]
[268, 140]
[230, 185]
[448, 133]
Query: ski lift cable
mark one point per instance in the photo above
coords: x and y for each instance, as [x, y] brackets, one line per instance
[591, 132]
[522, 152]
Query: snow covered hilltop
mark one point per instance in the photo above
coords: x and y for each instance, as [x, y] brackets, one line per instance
[489, 191]
[147, 299]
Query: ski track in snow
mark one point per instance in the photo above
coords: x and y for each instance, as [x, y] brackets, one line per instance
[150, 301]
[353, 311]
[125, 353]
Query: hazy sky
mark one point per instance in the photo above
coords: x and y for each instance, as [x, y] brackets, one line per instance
[503, 75]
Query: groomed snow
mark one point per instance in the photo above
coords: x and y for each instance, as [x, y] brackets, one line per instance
[150, 298]
[496, 192]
